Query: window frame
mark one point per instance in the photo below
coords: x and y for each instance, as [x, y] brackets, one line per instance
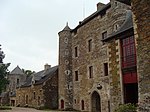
[90, 45]
[76, 51]
[106, 73]
[104, 35]
[90, 72]
[76, 75]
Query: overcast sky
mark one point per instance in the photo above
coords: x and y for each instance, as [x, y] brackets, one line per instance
[29, 29]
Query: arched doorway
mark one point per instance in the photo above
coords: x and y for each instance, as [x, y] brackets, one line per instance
[95, 102]
[62, 104]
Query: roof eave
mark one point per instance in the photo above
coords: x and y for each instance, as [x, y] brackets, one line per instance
[89, 18]
[117, 35]
[128, 2]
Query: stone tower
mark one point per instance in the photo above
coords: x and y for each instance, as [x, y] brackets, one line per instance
[65, 69]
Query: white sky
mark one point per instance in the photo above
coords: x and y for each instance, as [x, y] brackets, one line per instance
[29, 29]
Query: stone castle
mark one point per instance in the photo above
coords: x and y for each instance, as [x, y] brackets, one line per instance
[103, 62]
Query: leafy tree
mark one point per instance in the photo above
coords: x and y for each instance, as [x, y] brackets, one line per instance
[3, 72]
[3, 76]
[28, 72]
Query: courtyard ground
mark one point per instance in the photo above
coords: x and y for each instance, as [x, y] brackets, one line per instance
[19, 109]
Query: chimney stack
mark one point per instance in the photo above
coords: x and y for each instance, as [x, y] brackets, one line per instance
[100, 6]
[47, 66]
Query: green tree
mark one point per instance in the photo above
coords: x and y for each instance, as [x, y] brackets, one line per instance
[28, 72]
[3, 76]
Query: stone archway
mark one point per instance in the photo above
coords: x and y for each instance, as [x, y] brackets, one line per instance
[95, 102]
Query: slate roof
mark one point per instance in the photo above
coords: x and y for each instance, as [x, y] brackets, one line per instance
[28, 82]
[3, 94]
[17, 70]
[40, 77]
[127, 25]
[89, 18]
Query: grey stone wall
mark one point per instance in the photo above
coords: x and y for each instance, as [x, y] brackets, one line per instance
[141, 11]
[65, 68]
[85, 86]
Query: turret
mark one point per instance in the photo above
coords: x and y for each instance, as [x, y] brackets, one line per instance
[65, 69]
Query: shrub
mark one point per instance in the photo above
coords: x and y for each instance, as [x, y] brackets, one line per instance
[126, 108]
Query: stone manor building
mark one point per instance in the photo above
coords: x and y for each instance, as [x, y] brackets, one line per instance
[97, 61]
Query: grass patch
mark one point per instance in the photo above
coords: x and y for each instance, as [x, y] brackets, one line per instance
[5, 108]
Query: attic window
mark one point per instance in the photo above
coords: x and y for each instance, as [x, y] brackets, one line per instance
[104, 35]
[103, 14]
[75, 31]
[116, 3]
[116, 26]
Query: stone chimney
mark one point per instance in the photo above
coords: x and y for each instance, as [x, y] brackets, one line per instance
[47, 66]
[100, 6]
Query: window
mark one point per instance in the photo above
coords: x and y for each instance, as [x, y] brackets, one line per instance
[128, 52]
[108, 106]
[89, 45]
[26, 99]
[75, 101]
[116, 3]
[103, 14]
[75, 32]
[91, 72]
[82, 104]
[104, 35]
[76, 51]
[76, 75]
[17, 81]
[116, 26]
[33, 95]
[105, 69]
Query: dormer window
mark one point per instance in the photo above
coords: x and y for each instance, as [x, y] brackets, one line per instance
[104, 35]
[103, 14]
[75, 31]
[116, 26]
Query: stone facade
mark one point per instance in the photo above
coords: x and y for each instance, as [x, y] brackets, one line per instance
[87, 58]
[141, 11]
[141, 14]
[40, 90]
[16, 78]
